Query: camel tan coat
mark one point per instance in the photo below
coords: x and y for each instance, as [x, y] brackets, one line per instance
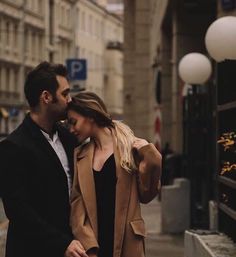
[131, 189]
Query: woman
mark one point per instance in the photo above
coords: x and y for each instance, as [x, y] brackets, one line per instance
[115, 171]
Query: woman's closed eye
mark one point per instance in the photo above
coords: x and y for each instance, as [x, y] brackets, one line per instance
[72, 122]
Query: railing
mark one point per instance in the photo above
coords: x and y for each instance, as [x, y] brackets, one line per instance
[198, 151]
[226, 110]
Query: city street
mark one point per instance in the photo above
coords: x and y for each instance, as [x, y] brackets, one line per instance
[157, 244]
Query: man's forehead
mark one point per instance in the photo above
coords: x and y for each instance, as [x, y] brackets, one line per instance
[63, 83]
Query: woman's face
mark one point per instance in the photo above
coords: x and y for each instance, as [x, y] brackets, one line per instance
[79, 125]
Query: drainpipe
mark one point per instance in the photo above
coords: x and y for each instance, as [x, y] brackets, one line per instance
[176, 137]
[22, 51]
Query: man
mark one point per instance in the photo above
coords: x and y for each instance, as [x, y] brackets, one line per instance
[37, 169]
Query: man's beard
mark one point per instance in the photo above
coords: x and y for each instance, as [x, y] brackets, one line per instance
[63, 115]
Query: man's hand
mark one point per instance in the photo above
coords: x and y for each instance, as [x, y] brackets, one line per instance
[75, 249]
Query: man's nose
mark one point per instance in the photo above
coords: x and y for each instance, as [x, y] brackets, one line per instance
[69, 98]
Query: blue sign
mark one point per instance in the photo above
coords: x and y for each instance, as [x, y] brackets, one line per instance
[77, 69]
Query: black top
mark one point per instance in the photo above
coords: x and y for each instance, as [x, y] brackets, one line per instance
[105, 185]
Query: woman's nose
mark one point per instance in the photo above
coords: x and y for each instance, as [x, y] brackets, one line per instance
[71, 129]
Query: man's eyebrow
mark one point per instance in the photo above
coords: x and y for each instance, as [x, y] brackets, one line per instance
[67, 90]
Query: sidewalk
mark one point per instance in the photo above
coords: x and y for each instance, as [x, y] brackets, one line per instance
[158, 244]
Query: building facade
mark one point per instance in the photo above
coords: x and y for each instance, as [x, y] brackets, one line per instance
[157, 35]
[113, 6]
[99, 40]
[35, 30]
[139, 93]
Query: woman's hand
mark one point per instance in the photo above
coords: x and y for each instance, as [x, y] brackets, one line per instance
[75, 249]
[139, 142]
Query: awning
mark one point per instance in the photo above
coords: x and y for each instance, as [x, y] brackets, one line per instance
[4, 113]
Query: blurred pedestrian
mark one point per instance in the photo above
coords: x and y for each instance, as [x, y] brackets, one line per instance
[37, 169]
[166, 153]
[115, 172]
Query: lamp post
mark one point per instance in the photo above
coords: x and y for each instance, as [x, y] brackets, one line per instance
[220, 39]
[220, 42]
[195, 70]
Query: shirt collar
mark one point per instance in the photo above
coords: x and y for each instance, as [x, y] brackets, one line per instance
[53, 138]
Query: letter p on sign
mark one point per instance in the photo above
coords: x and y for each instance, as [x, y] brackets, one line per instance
[77, 69]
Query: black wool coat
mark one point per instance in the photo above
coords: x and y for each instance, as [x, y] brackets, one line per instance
[34, 190]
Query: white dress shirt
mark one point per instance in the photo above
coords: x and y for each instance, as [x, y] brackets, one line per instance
[56, 144]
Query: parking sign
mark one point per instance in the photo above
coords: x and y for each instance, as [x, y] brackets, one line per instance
[77, 69]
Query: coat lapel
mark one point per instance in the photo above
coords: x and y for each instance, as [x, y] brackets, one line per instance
[43, 145]
[69, 149]
[87, 185]
[123, 190]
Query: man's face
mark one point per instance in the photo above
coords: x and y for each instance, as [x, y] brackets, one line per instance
[62, 98]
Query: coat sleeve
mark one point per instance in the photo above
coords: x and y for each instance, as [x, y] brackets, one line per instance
[17, 207]
[80, 223]
[148, 173]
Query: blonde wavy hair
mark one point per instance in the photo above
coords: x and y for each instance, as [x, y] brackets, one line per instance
[88, 104]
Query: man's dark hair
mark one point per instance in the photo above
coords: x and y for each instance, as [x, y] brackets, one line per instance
[43, 77]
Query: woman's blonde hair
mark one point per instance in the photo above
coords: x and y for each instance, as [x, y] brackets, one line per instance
[88, 104]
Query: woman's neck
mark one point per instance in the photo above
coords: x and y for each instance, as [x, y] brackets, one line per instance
[103, 138]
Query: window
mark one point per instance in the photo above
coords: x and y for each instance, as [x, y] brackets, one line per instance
[68, 17]
[3, 78]
[33, 45]
[40, 47]
[1, 29]
[0, 77]
[16, 73]
[101, 29]
[26, 42]
[77, 19]
[68, 49]
[33, 5]
[15, 38]
[82, 53]
[90, 25]
[90, 60]
[7, 33]
[77, 51]
[16, 34]
[7, 79]
[40, 6]
[83, 21]
[11, 80]
[97, 24]
[61, 14]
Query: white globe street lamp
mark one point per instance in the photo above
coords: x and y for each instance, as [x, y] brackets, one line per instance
[220, 39]
[195, 68]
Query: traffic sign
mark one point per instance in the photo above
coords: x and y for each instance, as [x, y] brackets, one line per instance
[77, 69]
